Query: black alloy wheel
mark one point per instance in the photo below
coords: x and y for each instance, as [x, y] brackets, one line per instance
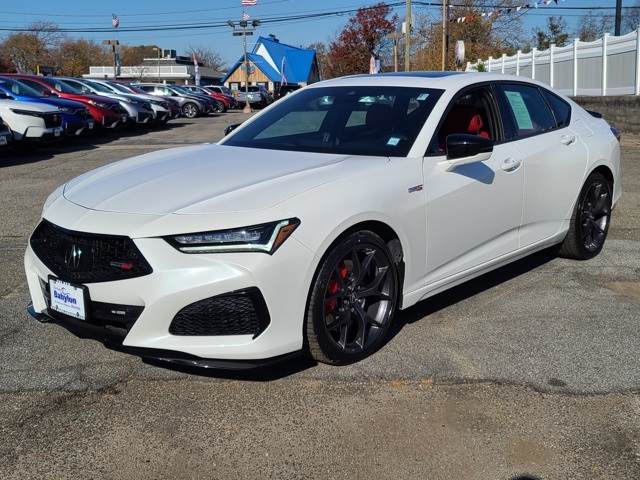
[353, 300]
[590, 220]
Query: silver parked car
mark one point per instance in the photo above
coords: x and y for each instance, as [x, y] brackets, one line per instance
[159, 106]
[192, 105]
[139, 109]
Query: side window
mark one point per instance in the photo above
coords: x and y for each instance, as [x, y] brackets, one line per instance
[470, 114]
[528, 110]
[561, 109]
[33, 84]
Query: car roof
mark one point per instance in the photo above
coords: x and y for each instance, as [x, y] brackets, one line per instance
[440, 80]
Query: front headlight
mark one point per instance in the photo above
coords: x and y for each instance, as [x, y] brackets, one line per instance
[264, 238]
[31, 113]
[100, 104]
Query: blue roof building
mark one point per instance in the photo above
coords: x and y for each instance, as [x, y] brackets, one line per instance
[272, 64]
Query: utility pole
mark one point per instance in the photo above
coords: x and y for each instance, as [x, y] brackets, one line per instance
[244, 30]
[407, 38]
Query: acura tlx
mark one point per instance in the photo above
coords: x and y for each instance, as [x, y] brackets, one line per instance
[308, 226]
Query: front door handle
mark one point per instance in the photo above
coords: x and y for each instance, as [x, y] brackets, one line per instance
[511, 164]
[567, 139]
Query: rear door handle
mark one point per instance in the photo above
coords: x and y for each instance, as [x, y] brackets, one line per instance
[511, 164]
[567, 139]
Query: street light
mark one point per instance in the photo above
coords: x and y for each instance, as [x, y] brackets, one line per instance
[158, 50]
[244, 30]
[395, 37]
[113, 43]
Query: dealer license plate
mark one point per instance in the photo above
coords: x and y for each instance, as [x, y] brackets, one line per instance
[56, 132]
[67, 298]
[3, 140]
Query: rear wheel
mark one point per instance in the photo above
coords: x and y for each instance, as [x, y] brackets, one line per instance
[352, 301]
[590, 220]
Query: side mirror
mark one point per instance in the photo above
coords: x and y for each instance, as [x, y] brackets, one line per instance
[463, 149]
[5, 96]
[48, 93]
[231, 128]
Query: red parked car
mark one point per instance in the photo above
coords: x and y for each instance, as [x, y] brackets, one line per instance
[225, 102]
[105, 111]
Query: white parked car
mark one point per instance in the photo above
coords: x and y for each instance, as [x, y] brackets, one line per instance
[307, 227]
[6, 139]
[32, 123]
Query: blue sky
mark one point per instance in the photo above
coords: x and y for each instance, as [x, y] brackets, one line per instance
[211, 16]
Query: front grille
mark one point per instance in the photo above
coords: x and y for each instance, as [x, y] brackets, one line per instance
[52, 120]
[236, 313]
[116, 108]
[85, 258]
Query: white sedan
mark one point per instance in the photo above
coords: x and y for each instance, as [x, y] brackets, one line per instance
[307, 227]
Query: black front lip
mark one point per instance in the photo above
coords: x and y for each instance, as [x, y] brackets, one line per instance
[113, 341]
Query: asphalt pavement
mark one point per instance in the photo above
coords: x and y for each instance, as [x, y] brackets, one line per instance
[530, 371]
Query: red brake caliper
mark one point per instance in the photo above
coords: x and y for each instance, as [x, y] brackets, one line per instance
[332, 288]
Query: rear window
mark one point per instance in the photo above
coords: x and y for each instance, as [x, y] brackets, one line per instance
[561, 109]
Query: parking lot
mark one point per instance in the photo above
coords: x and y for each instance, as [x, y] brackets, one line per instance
[531, 371]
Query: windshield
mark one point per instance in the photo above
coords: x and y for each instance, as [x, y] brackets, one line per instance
[119, 88]
[20, 89]
[378, 121]
[61, 86]
[98, 87]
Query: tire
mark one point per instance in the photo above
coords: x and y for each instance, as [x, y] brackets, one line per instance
[352, 301]
[190, 110]
[590, 220]
[222, 108]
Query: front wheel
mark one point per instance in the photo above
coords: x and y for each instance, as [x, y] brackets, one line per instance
[352, 301]
[222, 108]
[190, 110]
[590, 220]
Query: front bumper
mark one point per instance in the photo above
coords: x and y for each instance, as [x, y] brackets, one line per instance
[138, 315]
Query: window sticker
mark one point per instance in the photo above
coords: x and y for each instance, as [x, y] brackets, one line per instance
[393, 141]
[519, 110]
[423, 96]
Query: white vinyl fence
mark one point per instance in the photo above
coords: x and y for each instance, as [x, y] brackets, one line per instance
[609, 66]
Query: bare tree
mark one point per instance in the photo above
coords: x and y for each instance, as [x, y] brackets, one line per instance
[592, 26]
[208, 57]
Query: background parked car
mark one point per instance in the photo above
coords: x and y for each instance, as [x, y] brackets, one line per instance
[31, 123]
[192, 105]
[222, 90]
[286, 89]
[139, 110]
[258, 96]
[6, 139]
[76, 118]
[223, 102]
[175, 110]
[159, 106]
[106, 112]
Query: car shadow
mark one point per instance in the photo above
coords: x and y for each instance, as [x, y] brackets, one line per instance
[468, 289]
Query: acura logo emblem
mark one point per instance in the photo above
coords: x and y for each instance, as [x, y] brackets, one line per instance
[72, 257]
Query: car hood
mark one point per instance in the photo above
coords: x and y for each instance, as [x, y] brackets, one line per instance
[203, 179]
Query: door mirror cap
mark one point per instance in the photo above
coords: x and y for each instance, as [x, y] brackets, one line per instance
[463, 149]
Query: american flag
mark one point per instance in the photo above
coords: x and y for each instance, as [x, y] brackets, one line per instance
[249, 3]
[115, 22]
[245, 16]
